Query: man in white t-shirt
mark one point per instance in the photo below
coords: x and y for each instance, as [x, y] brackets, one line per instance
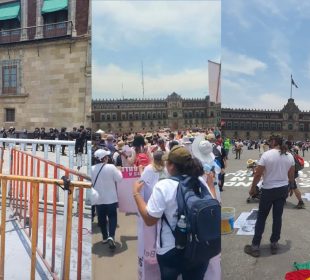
[277, 167]
[104, 179]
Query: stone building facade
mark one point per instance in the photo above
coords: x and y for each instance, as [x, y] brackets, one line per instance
[174, 112]
[290, 122]
[45, 63]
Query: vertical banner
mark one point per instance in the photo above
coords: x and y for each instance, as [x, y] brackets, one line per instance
[214, 70]
[126, 202]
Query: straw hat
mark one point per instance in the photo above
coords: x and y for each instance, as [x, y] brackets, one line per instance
[251, 162]
[104, 136]
[120, 145]
[203, 149]
[148, 135]
[210, 137]
[130, 138]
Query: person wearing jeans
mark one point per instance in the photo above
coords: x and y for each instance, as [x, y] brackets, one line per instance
[104, 178]
[278, 167]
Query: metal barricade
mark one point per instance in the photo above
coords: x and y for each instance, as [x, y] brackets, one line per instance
[21, 202]
[1, 158]
[79, 160]
[21, 195]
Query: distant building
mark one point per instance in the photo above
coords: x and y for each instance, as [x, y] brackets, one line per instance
[290, 122]
[45, 63]
[174, 112]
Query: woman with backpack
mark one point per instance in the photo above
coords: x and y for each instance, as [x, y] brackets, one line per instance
[163, 208]
[151, 174]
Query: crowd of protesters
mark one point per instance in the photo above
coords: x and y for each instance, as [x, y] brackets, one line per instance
[158, 156]
[80, 135]
[202, 155]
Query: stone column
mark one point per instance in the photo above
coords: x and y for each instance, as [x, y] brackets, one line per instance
[39, 21]
[24, 19]
[89, 17]
[71, 17]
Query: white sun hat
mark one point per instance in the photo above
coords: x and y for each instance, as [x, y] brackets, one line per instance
[203, 149]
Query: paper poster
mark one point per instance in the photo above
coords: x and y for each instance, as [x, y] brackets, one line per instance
[246, 222]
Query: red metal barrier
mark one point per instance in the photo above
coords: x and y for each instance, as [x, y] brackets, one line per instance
[21, 199]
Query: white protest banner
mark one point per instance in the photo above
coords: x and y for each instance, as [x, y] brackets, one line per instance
[126, 201]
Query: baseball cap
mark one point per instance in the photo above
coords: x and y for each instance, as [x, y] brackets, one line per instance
[100, 154]
[178, 154]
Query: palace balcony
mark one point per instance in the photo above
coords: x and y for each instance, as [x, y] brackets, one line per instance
[46, 31]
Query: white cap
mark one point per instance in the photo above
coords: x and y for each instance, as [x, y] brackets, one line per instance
[100, 154]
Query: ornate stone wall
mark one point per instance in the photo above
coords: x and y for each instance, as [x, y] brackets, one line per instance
[53, 85]
[174, 112]
[290, 122]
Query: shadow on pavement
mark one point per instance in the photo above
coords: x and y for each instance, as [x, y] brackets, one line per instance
[283, 248]
[102, 250]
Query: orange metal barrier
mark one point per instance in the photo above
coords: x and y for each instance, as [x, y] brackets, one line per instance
[1, 158]
[24, 194]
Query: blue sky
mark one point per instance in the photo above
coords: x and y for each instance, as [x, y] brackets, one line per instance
[263, 43]
[174, 39]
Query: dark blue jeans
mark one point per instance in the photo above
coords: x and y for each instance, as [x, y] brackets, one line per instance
[172, 264]
[107, 219]
[274, 198]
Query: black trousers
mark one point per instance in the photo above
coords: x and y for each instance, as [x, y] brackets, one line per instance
[172, 264]
[107, 219]
[274, 198]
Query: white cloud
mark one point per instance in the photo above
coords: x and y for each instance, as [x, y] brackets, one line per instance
[235, 63]
[109, 79]
[280, 52]
[195, 22]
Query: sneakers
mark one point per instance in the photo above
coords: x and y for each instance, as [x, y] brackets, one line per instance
[111, 243]
[105, 241]
[300, 205]
[274, 246]
[252, 250]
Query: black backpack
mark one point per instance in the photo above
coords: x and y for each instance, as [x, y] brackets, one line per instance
[203, 219]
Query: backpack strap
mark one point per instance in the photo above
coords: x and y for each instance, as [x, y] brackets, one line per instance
[164, 218]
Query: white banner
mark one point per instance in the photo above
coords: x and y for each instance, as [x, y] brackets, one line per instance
[214, 70]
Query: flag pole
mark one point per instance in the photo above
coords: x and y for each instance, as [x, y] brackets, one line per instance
[291, 85]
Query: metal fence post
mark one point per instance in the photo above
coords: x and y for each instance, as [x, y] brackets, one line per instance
[66, 253]
[3, 219]
[34, 237]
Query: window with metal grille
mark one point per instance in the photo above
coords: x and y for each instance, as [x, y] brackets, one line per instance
[10, 115]
[9, 79]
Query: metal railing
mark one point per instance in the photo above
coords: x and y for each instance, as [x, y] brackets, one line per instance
[79, 161]
[24, 196]
[51, 30]
[1, 158]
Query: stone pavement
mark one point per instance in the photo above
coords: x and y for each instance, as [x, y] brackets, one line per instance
[236, 265]
[294, 242]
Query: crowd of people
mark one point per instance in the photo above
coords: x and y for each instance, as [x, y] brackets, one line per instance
[203, 156]
[159, 156]
[80, 135]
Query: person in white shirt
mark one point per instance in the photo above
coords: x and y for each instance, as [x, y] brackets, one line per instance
[104, 179]
[151, 174]
[163, 201]
[277, 166]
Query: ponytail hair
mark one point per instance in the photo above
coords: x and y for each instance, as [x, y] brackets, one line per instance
[279, 141]
[192, 167]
